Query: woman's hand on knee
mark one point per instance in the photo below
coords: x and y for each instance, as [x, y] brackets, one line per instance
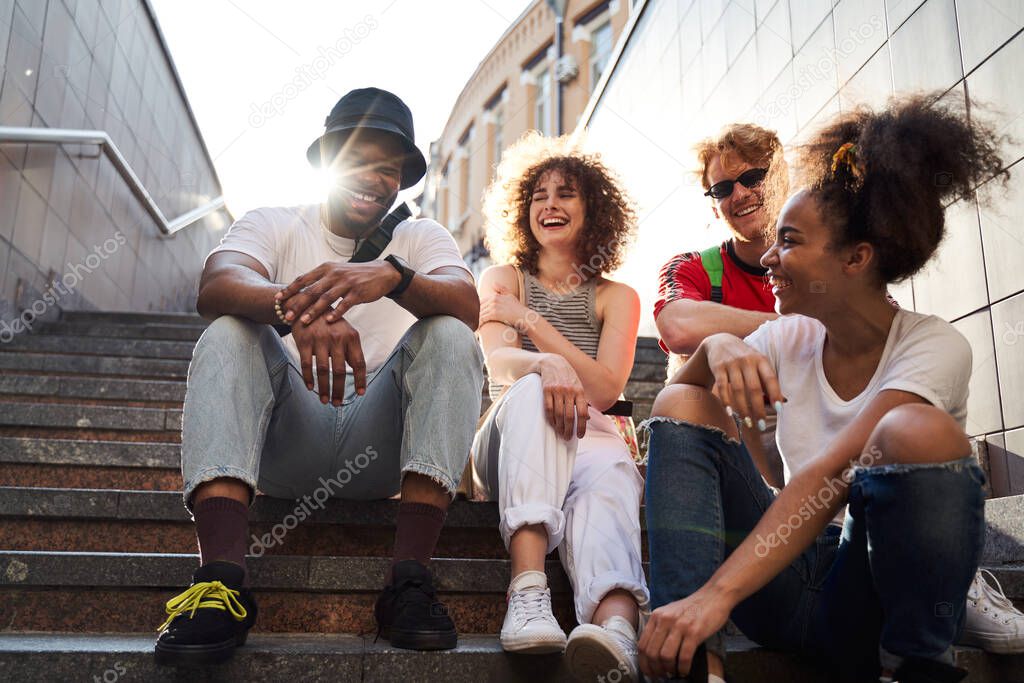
[675, 631]
[564, 400]
[744, 378]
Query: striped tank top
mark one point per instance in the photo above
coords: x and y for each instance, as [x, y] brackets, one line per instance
[573, 314]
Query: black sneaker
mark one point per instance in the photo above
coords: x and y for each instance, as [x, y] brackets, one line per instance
[408, 613]
[209, 620]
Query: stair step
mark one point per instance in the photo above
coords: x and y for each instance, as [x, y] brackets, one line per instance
[71, 476]
[159, 331]
[647, 372]
[89, 417]
[95, 520]
[89, 453]
[1004, 541]
[167, 506]
[131, 317]
[47, 591]
[300, 657]
[101, 346]
[94, 365]
[92, 388]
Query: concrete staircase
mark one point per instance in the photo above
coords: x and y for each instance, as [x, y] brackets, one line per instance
[94, 538]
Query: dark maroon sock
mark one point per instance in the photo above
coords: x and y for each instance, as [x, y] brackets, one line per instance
[419, 526]
[222, 527]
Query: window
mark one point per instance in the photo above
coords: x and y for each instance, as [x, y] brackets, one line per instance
[498, 143]
[600, 52]
[494, 116]
[443, 214]
[464, 171]
[542, 101]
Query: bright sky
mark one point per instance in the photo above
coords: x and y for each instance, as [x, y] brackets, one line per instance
[262, 75]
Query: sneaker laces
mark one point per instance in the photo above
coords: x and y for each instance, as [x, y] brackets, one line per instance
[996, 595]
[530, 605]
[211, 594]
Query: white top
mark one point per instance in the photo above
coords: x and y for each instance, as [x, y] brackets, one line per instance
[291, 241]
[923, 354]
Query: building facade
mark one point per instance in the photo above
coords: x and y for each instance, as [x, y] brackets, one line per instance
[73, 233]
[513, 90]
[686, 68]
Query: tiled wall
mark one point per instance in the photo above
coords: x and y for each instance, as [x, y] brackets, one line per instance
[692, 66]
[97, 65]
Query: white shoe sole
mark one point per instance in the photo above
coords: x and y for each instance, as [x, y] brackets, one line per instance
[533, 643]
[591, 656]
[990, 642]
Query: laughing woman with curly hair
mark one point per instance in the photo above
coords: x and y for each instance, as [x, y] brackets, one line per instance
[559, 340]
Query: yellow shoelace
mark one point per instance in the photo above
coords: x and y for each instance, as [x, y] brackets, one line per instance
[206, 594]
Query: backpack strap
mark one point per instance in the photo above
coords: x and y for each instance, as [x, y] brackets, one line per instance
[379, 239]
[711, 259]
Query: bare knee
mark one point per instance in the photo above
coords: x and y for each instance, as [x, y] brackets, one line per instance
[917, 433]
[693, 404]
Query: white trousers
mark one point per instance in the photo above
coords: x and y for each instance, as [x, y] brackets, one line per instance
[586, 492]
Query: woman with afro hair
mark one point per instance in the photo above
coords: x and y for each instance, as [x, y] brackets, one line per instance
[872, 404]
[559, 340]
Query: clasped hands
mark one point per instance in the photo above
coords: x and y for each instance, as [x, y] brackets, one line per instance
[321, 331]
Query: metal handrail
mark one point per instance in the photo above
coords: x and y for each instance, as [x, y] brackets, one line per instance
[10, 134]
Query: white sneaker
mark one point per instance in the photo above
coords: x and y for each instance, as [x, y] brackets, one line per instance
[993, 623]
[603, 653]
[529, 624]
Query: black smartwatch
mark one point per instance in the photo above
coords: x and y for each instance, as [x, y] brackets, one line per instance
[405, 271]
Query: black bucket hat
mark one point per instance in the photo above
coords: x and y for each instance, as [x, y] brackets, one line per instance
[378, 109]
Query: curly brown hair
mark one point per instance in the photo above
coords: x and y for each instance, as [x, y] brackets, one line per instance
[609, 212]
[908, 162]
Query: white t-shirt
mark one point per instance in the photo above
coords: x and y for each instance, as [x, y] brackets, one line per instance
[923, 354]
[291, 241]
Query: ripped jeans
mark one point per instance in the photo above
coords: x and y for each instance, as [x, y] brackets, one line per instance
[249, 416]
[892, 584]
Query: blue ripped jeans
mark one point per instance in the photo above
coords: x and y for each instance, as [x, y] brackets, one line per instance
[892, 584]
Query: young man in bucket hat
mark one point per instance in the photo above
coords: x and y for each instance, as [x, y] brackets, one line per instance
[345, 404]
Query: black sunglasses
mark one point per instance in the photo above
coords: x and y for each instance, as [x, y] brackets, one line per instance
[750, 178]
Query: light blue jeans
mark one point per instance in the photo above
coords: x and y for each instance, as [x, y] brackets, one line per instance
[248, 414]
[892, 584]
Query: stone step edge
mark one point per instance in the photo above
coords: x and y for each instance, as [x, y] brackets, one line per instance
[30, 502]
[338, 656]
[362, 657]
[132, 571]
[61, 570]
